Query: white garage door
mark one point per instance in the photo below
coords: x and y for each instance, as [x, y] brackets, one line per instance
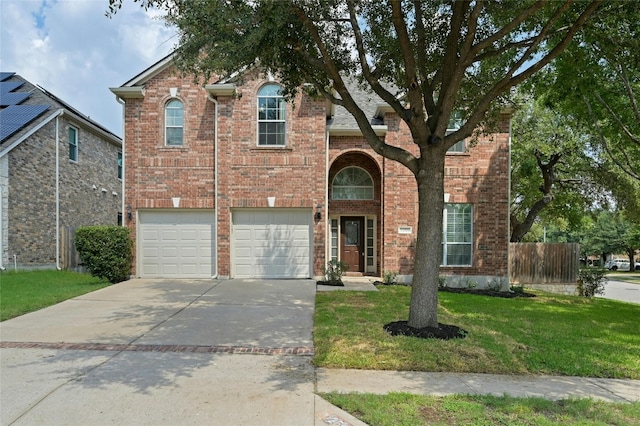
[274, 243]
[176, 244]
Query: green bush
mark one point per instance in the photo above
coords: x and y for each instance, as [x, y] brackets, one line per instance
[107, 251]
[389, 277]
[591, 281]
[334, 271]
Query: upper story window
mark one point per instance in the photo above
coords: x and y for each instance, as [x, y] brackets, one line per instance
[73, 144]
[455, 123]
[352, 183]
[272, 109]
[173, 123]
[119, 164]
[457, 235]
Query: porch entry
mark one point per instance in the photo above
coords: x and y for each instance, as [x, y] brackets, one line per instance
[352, 247]
[353, 241]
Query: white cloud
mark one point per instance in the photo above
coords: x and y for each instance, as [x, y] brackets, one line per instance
[73, 50]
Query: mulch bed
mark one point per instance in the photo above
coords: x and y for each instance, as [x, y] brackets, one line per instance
[333, 283]
[445, 331]
[442, 331]
[486, 292]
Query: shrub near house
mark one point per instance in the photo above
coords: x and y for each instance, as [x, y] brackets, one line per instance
[106, 251]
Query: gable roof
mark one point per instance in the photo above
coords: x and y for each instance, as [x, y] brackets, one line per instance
[23, 108]
[339, 121]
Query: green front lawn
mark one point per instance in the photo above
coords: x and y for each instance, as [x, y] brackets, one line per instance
[22, 292]
[548, 334]
[461, 410]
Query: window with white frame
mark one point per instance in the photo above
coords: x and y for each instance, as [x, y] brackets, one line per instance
[457, 235]
[455, 123]
[352, 183]
[73, 144]
[173, 123]
[272, 109]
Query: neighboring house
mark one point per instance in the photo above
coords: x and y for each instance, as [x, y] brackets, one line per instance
[225, 179]
[58, 169]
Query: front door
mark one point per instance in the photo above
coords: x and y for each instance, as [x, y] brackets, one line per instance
[352, 242]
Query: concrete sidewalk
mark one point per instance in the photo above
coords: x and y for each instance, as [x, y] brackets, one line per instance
[439, 384]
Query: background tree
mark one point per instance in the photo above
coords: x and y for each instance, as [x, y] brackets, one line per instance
[552, 176]
[613, 233]
[598, 81]
[444, 56]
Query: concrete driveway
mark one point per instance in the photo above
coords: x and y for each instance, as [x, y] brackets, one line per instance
[159, 352]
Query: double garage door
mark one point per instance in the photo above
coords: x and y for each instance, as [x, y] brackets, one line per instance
[273, 243]
[176, 244]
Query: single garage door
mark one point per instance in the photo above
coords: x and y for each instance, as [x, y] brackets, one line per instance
[176, 244]
[274, 243]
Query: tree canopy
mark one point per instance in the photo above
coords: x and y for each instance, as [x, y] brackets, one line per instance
[444, 57]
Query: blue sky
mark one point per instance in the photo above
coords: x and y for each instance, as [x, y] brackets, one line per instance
[70, 48]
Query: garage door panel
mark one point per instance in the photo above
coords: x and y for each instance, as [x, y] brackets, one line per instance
[271, 244]
[177, 243]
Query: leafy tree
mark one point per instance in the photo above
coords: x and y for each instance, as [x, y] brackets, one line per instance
[551, 174]
[598, 82]
[445, 56]
[614, 233]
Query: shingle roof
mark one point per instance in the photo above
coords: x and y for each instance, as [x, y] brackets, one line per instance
[368, 101]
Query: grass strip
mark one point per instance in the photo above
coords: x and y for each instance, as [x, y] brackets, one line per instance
[398, 409]
[28, 291]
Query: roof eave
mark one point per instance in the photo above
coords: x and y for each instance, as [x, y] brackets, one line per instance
[225, 89]
[380, 130]
[136, 92]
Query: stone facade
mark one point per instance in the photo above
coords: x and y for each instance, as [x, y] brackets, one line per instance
[299, 174]
[29, 190]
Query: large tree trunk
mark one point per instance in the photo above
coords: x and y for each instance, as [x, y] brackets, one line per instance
[424, 292]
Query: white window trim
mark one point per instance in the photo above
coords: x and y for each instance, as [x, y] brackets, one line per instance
[451, 129]
[373, 186]
[166, 126]
[444, 243]
[75, 144]
[259, 121]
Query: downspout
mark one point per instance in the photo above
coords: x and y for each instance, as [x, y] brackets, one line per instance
[215, 179]
[509, 210]
[122, 207]
[2, 268]
[58, 194]
[327, 221]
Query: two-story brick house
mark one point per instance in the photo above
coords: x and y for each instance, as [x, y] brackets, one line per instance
[226, 179]
[58, 169]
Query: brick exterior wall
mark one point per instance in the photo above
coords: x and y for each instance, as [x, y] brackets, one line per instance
[479, 177]
[248, 174]
[30, 194]
[299, 174]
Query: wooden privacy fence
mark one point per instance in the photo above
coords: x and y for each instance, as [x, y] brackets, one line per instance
[69, 258]
[542, 263]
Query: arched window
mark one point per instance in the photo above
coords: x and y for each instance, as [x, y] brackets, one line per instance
[173, 123]
[271, 116]
[352, 183]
